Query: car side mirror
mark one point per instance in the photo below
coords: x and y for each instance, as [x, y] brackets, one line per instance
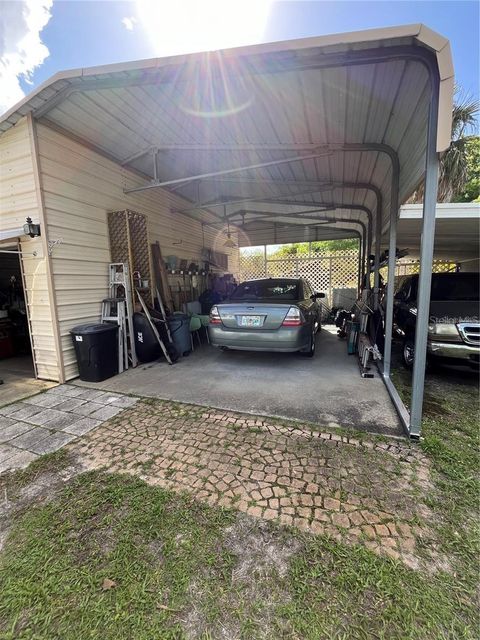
[316, 296]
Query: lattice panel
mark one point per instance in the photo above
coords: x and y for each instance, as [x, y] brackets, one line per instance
[324, 273]
[317, 272]
[129, 243]
[118, 234]
[344, 270]
[282, 268]
[251, 267]
[140, 248]
[410, 267]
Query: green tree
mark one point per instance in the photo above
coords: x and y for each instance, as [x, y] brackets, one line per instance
[471, 191]
[455, 168]
[325, 247]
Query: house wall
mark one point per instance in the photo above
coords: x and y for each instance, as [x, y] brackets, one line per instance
[19, 198]
[79, 187]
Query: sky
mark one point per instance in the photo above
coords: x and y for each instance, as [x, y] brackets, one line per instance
[40, 37]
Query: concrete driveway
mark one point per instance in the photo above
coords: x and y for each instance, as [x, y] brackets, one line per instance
[327, 390]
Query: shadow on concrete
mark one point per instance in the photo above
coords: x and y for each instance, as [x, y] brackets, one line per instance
[327, 389]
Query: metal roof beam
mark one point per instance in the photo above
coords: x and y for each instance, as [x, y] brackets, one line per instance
[290, 224]
[322, 150]
[238, 200]
[324, 185]
[139, 154]
[269, 214]
[222, 172]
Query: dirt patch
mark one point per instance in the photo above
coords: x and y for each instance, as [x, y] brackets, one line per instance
[34, 486]
[259, 564]
[258, 550]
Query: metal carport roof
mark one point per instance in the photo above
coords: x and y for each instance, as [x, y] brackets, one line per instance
[335, 126]
[457, 232]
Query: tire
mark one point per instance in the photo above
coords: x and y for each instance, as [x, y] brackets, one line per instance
[408, 353]
[408, 357]
[311, 350]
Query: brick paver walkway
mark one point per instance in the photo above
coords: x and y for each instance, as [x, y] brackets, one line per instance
[355, 489]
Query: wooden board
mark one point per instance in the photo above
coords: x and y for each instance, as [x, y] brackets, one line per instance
[161, 277]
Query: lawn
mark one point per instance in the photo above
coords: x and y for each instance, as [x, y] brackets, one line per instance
[108, 556]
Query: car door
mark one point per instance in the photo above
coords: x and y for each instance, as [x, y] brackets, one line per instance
[309, 304]
[401, 304]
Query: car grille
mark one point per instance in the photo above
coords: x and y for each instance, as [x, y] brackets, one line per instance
[470, 333]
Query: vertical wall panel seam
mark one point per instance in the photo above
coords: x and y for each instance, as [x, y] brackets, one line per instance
[44, 235]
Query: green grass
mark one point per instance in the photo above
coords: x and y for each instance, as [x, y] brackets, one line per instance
[185, 570]
[174, 566]
[452, 443]
[102, 526]
[451, 439]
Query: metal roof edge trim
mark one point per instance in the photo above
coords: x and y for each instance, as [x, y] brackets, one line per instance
[445, 210]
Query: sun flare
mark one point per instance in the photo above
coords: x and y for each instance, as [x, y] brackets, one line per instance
[186, 26]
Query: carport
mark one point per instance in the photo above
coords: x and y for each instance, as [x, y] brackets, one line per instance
[306, 139]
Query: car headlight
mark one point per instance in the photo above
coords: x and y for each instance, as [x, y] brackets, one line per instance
[442, 329]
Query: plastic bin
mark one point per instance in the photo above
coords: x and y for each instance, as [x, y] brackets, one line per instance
[352, 336]
[179, 325]
[96, 348]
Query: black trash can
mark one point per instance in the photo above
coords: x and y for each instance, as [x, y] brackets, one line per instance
[96, 348]
[179, 325]
[146, 343]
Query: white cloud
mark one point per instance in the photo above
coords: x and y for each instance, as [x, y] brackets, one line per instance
[21, 48]
[129, 23]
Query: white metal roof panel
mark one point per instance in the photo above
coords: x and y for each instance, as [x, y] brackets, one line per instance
[222, 110]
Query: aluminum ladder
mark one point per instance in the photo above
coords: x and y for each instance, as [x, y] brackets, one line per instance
[118, 308]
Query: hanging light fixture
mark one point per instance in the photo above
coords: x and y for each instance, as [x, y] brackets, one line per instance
[229, 243]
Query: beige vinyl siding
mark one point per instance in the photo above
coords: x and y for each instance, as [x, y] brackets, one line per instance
[19, 199]
[79, 187]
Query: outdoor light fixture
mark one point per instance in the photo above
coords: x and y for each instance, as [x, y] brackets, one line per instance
[31, 229]
[229, 243]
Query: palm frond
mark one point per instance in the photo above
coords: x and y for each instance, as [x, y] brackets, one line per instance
[453, 172]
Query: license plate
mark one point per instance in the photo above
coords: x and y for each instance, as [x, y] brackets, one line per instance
[250, 321]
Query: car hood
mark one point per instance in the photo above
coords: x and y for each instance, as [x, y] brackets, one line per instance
[457, 310]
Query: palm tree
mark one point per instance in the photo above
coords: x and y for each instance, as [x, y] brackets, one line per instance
[453, 164]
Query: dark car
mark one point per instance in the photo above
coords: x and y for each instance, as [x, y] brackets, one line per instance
[454, 327]
[274, 314]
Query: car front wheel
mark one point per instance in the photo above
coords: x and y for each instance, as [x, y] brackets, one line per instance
[408, 353]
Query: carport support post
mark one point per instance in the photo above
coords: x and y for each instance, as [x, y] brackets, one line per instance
[392, 259]
[426, 259]
[360, 263]
[376, 268]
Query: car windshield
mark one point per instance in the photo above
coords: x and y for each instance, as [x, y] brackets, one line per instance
[266, 290]
[455, 286]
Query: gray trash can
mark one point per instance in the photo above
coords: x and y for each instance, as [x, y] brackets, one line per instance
[179, 325]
